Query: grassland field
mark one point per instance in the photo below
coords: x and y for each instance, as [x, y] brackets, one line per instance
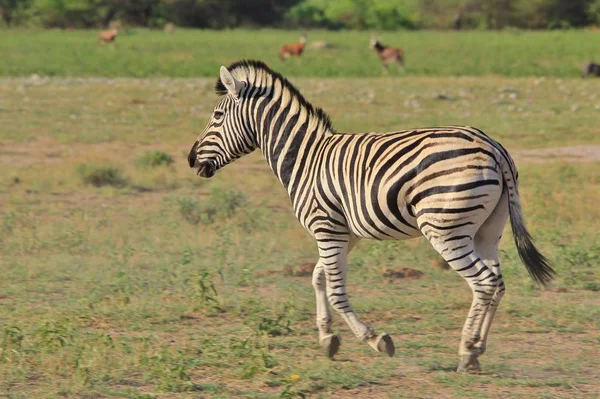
[125, 275]
[196, 53]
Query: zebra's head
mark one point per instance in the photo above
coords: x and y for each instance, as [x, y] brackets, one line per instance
[226, 137]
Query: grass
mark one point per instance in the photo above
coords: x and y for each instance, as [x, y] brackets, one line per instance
[197, 53]
[521, 112]
[173, 286]
[154, 159]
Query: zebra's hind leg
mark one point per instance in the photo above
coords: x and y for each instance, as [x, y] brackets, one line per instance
[333, 251]
[487, 240]
[329, 341]
[459, 251]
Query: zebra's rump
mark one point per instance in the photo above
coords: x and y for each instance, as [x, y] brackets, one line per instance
[388, 185]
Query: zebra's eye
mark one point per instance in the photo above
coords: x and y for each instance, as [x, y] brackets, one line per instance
[218, 114]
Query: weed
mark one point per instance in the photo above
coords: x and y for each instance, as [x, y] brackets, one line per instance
[276, 327]
[12, 340]
[101, 175]
[191, 210]
[54, 335]
[291, 389]
[220, 204]
[123, 287]
[592, 286]
[154, 159]
[174, 375]
[203, 288]
[256, 352]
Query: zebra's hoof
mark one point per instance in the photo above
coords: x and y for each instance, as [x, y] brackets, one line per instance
[383, 343]
[468, 364]
[331, 344]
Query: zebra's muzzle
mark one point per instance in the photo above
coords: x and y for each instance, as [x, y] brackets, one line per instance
[206, 169]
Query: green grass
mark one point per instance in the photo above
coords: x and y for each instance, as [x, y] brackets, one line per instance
[174, 287]
[154, 159]
[197, 53]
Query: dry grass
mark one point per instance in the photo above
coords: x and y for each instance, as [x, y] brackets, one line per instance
[112, 291]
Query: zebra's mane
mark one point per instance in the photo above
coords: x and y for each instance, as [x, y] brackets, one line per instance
[259, 66]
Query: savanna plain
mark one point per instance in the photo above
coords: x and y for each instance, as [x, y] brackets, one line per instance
[125, 275]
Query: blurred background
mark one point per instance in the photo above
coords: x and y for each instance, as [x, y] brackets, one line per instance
[327, 14]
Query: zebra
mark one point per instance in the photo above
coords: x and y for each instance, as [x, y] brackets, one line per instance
[452, 184]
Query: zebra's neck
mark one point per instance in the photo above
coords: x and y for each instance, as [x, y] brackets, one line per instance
[288, 132]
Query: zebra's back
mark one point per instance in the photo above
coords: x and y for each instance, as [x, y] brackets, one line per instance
[387, 185]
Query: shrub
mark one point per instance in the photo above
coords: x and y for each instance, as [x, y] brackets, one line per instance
[155, 158]
[102, 175]
[220, 203]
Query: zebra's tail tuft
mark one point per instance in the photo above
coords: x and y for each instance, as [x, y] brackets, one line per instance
[537, 265]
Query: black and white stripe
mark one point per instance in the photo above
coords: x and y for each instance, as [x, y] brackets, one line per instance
[452, 184]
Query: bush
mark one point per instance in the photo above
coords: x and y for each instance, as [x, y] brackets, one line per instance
[355, 14]
[220, 204]
[102, 175]
[155, 158]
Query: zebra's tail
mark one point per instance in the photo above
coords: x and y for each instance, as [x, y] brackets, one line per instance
[537, 265]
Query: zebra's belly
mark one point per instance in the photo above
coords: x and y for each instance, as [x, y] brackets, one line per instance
[377, 221]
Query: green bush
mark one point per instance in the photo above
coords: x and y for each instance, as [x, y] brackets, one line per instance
[355, 14]
[220, 204]
[154, 159]
[102, 175]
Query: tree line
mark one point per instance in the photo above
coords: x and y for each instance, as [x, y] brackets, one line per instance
[328, 14]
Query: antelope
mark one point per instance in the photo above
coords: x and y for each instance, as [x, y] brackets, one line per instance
[388, 54]
[591, 68]
[169, 28]
[292, 49]
[108, 36]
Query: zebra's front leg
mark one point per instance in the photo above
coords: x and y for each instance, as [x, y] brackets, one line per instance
[329, 341]
[333, 252]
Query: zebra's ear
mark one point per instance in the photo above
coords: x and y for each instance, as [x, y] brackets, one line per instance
[233, 86]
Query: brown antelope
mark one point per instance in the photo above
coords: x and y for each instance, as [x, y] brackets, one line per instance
[292, 49]
[388, 54]
[169, 28]
[108, 36]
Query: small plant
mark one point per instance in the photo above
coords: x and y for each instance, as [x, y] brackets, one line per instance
[123, 287]
[592, 286]
[174, 374]
[154, 159]
[102, 175]
[276, 327]
[256, 350]
[227, 202]
[203, 288]
[53, 335]
[12, 339]
[190, 209]
[291, 389]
